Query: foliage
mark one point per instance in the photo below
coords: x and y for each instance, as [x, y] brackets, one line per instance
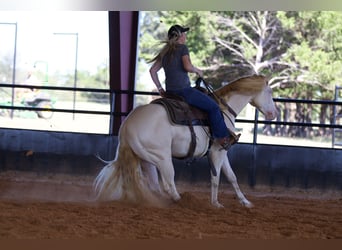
[154, 27]
[299, 51]
[99, 80]
[291, 48]
[153, 30]
[317, 51]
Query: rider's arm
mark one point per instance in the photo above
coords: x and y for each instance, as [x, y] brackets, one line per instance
[157, 65]
[189, 67]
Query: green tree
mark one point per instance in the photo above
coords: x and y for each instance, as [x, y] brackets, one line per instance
[155, 24]
[153, 30]
[252, 42]
[299, 52]
[85, 79]
[314, 58]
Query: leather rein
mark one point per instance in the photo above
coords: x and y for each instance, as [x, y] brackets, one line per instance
[218, 99]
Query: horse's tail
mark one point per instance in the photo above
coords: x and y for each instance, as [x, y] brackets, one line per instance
[122, 178]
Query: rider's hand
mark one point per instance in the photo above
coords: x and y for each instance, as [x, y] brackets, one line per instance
[162, 92]
[199, 73]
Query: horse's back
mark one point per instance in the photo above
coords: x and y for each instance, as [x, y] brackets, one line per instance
[145, 130]
[145, 118]
[150, 132]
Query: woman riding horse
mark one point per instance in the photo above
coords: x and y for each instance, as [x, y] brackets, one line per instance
[174, 58]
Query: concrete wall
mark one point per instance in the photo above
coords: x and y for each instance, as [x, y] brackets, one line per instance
[52, 152]
[57, 142]
[275, 166]
[289, 166]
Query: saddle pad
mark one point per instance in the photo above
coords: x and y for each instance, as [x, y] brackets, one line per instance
[182, 113]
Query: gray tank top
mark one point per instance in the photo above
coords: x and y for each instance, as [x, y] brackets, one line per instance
[176, 77]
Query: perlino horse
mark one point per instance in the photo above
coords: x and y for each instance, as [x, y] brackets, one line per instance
[148, 141]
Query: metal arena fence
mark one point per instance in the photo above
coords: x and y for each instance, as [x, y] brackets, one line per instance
[256, 122]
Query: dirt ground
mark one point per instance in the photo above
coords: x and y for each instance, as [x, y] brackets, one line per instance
[60, 207]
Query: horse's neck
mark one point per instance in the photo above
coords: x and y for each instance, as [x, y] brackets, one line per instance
[238, 102]
[235, 103]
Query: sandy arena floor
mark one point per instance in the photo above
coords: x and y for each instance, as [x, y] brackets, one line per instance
[61, 207]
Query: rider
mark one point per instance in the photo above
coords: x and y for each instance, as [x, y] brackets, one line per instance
[174, 58]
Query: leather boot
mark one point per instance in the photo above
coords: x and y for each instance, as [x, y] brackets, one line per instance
[228, 141]
[235, 136]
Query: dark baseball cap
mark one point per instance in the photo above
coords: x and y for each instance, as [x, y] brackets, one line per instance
[176, 29]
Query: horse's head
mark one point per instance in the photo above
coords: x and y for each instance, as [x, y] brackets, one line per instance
[250, 89]
[263, 101]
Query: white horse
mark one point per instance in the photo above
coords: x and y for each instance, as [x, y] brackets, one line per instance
[148, 141]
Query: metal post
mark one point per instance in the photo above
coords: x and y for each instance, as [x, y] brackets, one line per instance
[123, 37]
[255, 130]
[14, 62]
[252, 168]
[75, 76]
[75, 71]
[112, 111]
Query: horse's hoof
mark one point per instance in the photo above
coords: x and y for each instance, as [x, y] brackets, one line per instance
[176, 197]
[247, 204]
[217, 204]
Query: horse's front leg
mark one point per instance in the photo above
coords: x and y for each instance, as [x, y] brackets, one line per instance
[214, 190]
[227, 170]
[216, 159]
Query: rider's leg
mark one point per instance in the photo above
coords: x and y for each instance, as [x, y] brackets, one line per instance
[202, 101]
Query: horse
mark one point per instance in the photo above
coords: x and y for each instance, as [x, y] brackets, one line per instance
[148, 141]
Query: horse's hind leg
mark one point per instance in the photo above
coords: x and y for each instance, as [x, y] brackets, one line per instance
[168, 174]
[227, 170]
[151, 173]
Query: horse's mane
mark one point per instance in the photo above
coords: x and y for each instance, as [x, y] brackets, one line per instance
[244, 85]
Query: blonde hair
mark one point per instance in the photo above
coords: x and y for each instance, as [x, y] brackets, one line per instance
[168, 48]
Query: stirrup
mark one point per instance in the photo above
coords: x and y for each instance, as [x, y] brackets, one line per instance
[226, 145]
[229, 141]
[235, 136]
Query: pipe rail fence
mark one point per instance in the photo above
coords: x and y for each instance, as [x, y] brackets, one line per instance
[112, 93]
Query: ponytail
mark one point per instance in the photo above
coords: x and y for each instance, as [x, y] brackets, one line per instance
[168, 49]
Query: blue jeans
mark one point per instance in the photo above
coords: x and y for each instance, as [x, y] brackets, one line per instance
[202, 101]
